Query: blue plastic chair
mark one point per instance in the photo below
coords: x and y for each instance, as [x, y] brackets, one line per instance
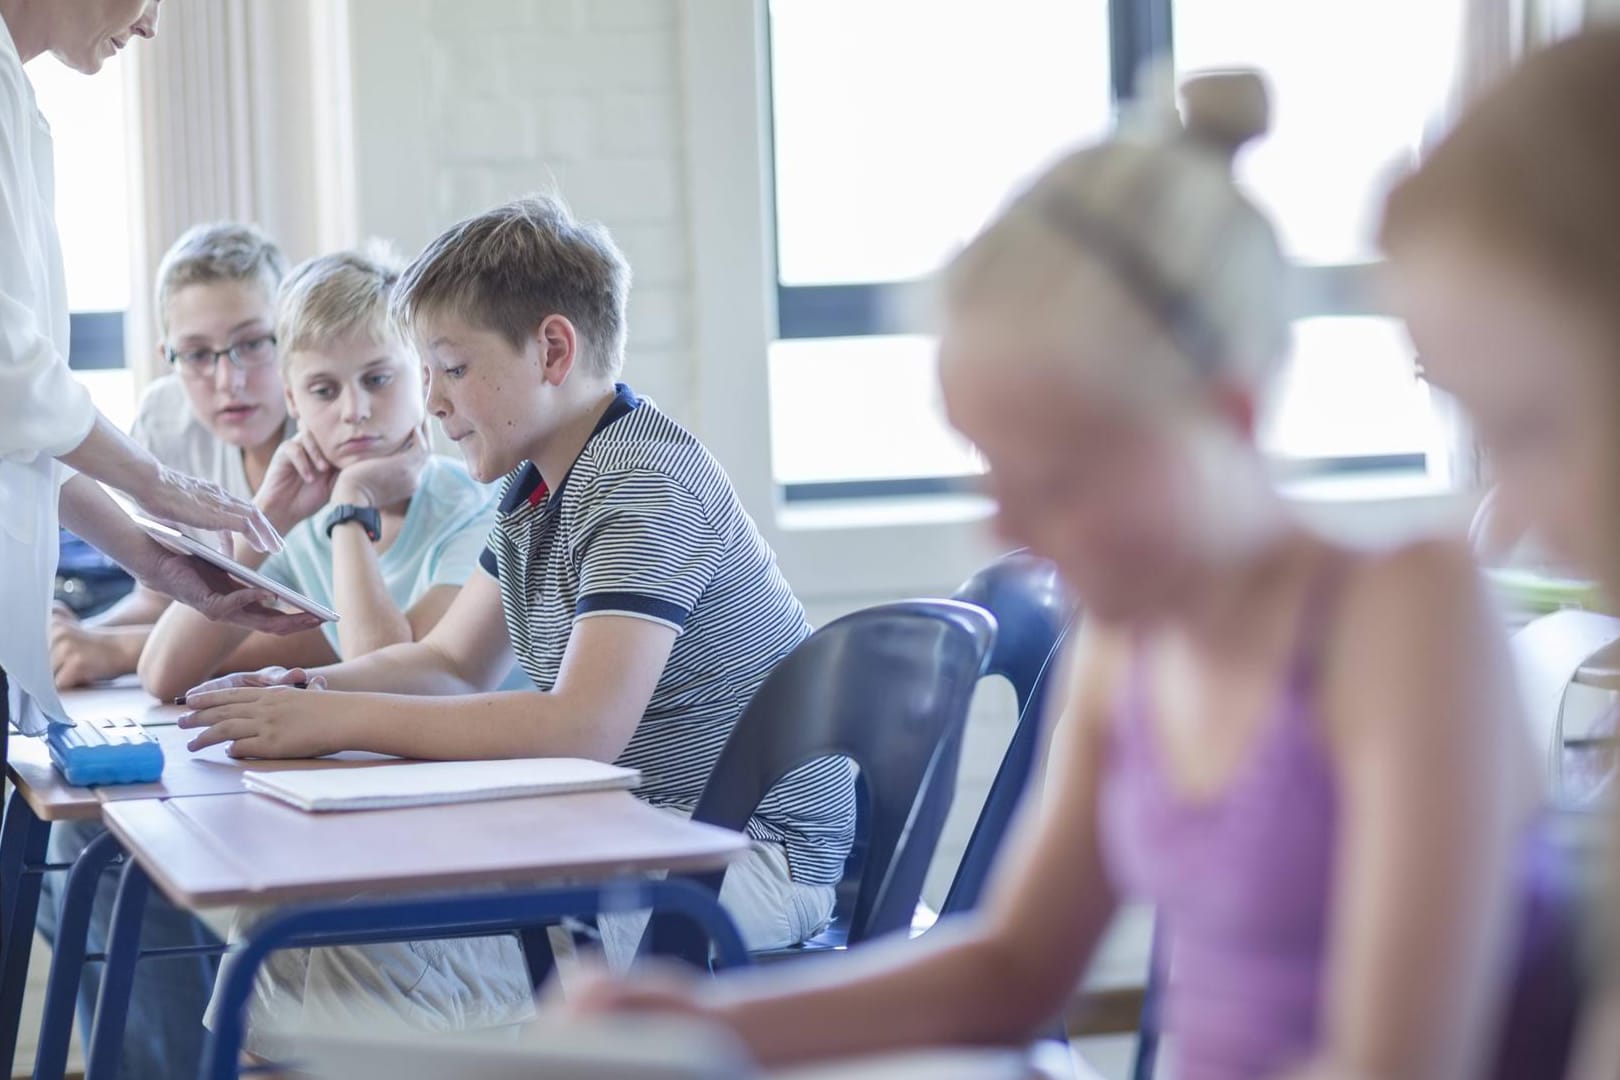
[889, 688]
[1033, 612]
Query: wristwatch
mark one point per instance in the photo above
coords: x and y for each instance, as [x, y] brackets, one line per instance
[369, 517]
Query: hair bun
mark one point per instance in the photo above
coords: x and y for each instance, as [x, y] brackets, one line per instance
[1223, 110]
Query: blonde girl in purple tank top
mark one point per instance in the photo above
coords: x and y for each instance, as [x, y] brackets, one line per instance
[1307, 756]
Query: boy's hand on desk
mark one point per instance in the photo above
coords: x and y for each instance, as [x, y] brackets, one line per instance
[266, 722]
[81, 654]
[266, 676]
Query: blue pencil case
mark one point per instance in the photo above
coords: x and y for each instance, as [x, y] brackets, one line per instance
[109, 750]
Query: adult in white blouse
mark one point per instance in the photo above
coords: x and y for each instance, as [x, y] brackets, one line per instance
[47, 420]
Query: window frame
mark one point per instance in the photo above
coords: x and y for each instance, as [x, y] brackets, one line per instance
[1139, 30]
[96, 341]
[861, 551]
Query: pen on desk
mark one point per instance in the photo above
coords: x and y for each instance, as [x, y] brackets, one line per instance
[299, 685]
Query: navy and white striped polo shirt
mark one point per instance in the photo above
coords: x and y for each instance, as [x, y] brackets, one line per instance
[646, 525]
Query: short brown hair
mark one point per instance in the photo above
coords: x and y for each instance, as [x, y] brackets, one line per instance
[509, 268]
[332, 295]
[1533, 172]
[221, 251]
[1533, 169]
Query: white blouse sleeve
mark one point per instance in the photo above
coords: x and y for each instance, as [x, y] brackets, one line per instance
[43, 409]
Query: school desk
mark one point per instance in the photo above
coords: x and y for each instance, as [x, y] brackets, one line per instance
[392, 875]
[40, 797]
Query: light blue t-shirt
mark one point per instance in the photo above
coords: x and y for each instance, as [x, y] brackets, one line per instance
[446, 526]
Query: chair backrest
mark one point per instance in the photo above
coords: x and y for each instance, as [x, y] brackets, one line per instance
[888, 688]
[1032, 612]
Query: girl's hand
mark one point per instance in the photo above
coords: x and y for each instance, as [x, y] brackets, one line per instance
[657, 987]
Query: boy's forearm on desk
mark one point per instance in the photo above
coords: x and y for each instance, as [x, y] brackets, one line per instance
[182, 649]
[470, 727]
[141, 607]
[412, 667]
[129, 642]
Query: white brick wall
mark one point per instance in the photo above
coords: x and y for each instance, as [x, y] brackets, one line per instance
[582, 97]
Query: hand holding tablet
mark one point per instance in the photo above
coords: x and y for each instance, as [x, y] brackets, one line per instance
[181, 544]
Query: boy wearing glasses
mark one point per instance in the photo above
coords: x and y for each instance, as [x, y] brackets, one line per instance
[376, 526]
[219, 414]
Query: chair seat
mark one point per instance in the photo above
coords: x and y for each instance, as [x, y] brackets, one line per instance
[835, 938]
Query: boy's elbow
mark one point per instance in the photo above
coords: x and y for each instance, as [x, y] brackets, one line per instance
[160, 676]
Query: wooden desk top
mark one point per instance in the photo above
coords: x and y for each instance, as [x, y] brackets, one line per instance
[52, 798]
[244, 848]
[120, 698]
[210, 772]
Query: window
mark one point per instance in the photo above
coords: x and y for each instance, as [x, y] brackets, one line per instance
[891, 147]
[1349, 398]
[86, 115]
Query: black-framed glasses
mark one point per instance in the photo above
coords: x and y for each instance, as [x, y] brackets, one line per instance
[199, 363]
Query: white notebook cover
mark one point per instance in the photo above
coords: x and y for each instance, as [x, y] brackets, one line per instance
[427, 783]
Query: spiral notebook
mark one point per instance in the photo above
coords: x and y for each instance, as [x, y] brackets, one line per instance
[428, 783]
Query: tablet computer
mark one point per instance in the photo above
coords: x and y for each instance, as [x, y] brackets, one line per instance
[179, 542]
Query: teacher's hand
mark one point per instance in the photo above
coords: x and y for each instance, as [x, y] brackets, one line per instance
[178, 499]
[214, 593]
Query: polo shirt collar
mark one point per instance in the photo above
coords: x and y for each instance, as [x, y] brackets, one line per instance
[531, 487]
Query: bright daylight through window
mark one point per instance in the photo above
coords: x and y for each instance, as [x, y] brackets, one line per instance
[892, 148]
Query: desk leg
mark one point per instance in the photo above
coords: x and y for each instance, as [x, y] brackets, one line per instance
[67, 961]
[23, 838]
[12, 841]
[118, 978]
[363, 922]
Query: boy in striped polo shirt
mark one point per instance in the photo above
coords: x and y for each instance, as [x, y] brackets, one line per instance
[623, 574]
